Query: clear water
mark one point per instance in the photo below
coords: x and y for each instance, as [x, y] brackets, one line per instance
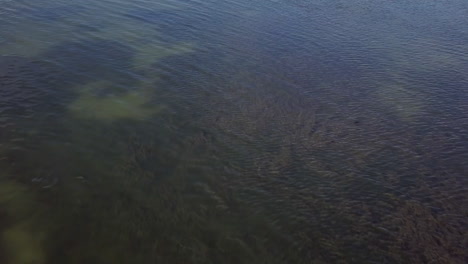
[221, 131]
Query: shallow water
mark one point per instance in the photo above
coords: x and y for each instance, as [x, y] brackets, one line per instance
[226, 131]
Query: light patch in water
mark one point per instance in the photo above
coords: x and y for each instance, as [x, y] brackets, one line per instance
[425, 55]
[149, 54]
[129, 105]
[34, 39]
[22, 244]
[126, 31]
[405, 103]
[32, 42]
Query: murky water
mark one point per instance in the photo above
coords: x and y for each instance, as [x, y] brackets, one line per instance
[219, 131]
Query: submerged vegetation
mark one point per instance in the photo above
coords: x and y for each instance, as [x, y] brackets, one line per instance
[111, 107]
[21, 241]
[392, 211]
[172, 136]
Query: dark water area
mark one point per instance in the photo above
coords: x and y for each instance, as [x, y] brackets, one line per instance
[269, 131]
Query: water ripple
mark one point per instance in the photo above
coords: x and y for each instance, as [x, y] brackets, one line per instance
[233, 131]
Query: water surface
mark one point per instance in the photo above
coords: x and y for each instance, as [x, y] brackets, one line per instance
[233, 131]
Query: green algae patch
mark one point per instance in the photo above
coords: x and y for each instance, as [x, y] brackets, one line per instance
[23, 246]
[127, 105]
[16, 200]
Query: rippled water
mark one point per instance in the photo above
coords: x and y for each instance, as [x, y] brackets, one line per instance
[220, 131]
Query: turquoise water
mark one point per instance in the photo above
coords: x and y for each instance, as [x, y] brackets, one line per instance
[223, 131]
